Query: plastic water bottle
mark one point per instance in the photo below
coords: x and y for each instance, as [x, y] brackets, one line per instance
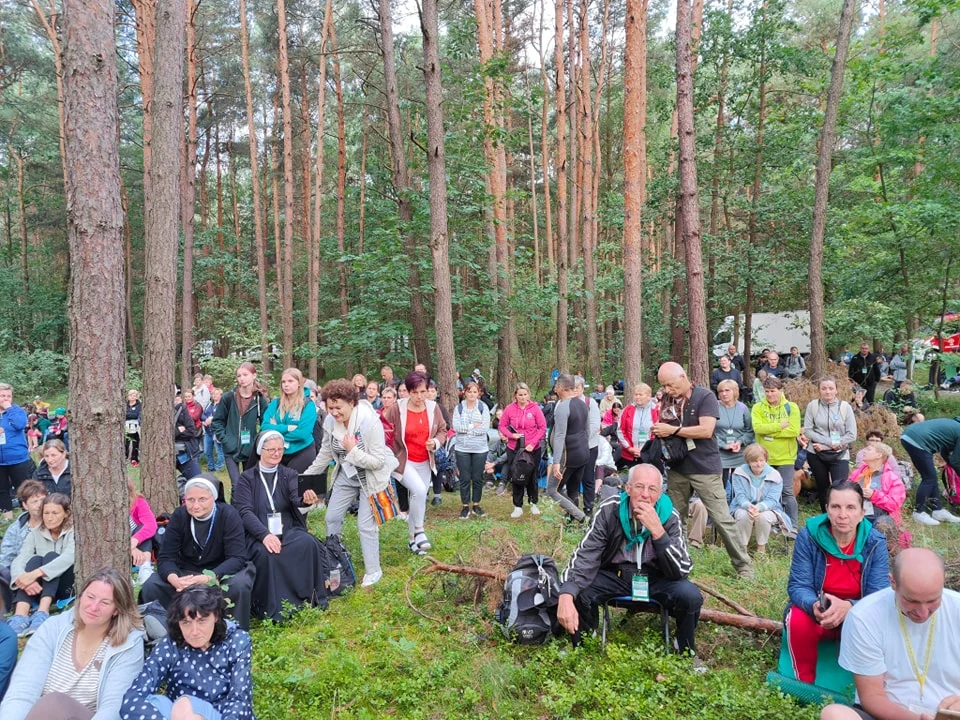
[335, 578]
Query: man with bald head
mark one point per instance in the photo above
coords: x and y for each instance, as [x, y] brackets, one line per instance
[634, 546]
[902, 645]
[690, 413]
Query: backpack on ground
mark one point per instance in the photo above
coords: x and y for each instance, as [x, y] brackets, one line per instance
[951, 481]
[446, 463]
[527, 613]
[340, 573]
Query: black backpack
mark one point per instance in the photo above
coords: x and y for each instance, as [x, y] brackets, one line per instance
[528, 611]
[340, 573]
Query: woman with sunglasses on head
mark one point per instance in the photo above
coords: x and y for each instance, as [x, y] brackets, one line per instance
[202, 666]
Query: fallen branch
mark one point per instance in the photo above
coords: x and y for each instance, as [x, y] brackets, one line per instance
[437, 566]
[725, 600]
[406, 591]
[756, 624]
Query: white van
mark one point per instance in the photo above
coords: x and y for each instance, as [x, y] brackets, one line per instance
[776, 331]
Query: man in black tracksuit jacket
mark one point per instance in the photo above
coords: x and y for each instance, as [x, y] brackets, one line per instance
[638, 524]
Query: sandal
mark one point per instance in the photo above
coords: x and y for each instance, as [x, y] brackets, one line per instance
[420, 538]
[415, 549]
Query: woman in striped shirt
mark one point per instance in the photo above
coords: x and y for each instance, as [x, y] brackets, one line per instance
[471, 420]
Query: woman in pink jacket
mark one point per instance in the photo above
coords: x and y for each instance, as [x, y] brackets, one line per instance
[143, 528]
[523, 419]
[883, 490]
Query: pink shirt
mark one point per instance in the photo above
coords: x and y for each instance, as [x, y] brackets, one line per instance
[528, 421]
[143, 516]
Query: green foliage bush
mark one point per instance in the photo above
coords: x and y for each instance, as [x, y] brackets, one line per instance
[34, 372]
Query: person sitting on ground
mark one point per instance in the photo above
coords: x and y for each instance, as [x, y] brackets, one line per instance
[795, 365]
[840, 558]
[607, 399]
[288, 559]
[633, 430]
[54, 469]
[897, 399]
[31, 494]
[611, 418]
[757, 488]
[733, 432]
[78, 665]
[921, 441]
[634, 533]
[354, 440]
[883, 490]
[725, 372]
[202, 667]
[9, 649]
[203, 534]
[887, 636]
[875, 436]
[43, 569]
[143, 530]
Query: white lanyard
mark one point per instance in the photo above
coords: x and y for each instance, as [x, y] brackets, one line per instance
[270, 491]
[193, 530]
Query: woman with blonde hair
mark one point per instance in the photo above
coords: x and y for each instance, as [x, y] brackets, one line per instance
[80, 663]
[293, 416]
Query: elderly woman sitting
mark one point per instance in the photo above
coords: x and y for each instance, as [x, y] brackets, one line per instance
[756, 507]
[289, 560]
[883, 490]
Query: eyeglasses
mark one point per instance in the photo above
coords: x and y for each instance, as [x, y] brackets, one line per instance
[271, 450]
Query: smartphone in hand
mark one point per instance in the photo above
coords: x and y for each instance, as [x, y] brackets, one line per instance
[824, 602]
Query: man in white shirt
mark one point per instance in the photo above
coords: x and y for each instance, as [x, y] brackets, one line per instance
[902, 645]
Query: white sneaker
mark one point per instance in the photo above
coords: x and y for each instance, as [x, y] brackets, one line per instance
[924, 519]
[373, 579]
[517, 512]
[534, 510]
[144, 573]
[945, 516]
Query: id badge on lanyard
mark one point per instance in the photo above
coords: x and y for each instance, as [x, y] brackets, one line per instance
[640, 587]
[274, 519]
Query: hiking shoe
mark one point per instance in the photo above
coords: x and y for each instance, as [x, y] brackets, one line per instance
[534, 510]
[477, 510]
[465, 512]
[925, 519]
[945, 516]
[517, 512]
[501, 488]
[371, 579]
[38, 619]
[436, 500]
[19, 624]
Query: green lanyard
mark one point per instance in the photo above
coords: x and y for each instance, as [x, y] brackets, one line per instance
[920, 675]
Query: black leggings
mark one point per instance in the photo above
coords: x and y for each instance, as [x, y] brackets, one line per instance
[56, 588]
[10, 478]
[471, 465]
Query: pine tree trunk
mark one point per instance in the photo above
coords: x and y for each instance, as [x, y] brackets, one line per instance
[146, 30]
[439, 240]
[288, 219]
[534, 211]
[96, 300]
[255, 180]
[563, 308]
[341, 182]
[275, 180]
[635, 186]
[17, 155]
[401, 183]
[58, 69]
[128, 278]
[828, 137]
[589, 240]
[188, 194]
[545, 157]
[161, 222]
[689, 204]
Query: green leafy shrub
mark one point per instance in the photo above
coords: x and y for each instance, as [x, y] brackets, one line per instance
[33, 373]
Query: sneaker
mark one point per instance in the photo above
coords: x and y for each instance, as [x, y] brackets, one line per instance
[924, 519]
[146, 570]
[517, 512]
[400, 516]
[19, 624]
[699, 666]
[38, 619]
[465, 512]
[371, 579]
[944, 516]
[534, 510]
[501, 488]
[478, 511]
[436, 500]
[746, 573]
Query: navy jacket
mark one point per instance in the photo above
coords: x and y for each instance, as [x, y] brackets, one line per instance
[809, 567]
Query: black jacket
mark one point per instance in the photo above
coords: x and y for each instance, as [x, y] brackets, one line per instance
[864, 371]
[224, 554]
[65, 484]
[604, 540]
[246, 495]
[190, 434]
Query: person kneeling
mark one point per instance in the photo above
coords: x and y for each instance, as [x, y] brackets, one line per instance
[634, 542]
[757, 488]
[203, 665]
[839, 558]
[203, 534]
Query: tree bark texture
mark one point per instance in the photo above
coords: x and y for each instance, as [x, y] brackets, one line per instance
[255, 181]
[188, 194]
[341, 180]
[58, 69]
[161, 222]
[563, 305]
[401, 183]
[439, 238]
[821, 192]
[146, 30]
[587, 216]
[634, 186]
[288, 219]
[96, 304]
[689, 203]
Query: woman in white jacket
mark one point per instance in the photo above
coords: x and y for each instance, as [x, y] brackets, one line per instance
[353, 440]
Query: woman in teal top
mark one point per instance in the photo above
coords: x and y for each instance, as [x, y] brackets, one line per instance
[293, 416]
